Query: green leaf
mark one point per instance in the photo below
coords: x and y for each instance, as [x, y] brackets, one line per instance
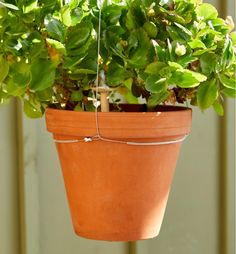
[30, 6]
[4, 68]
[43, 74]
[207, 31]
[70, 62]
[87, 66]
[131, 91]
[229, 92]
[166, 72]
[21, 79]
[220, 25]
[207, 93]
[136, 89]
[155, 84]
[130, 98]
[55, 28]
[77, 95]
[78, 35]
[203, 51]
[32, 110]
[160, 52]
[78, 108]
[74, 3]
[84, 71]
[37, 45]
[13, 89]
[29, 17]
[112, 43]
[197, 44]
[116, 74]
[9, 6]
[3, 13]
[208, 63]
[227, 82]
[132, 42]
[228, 53]
[176, 18]
[218, 108]
[57, 45]
[157, 98]
[175, 65]
[45, 95]
[207, 11]
[136, 16]
[177, 33]
[197, 76]
[130, 21]
[112, 14]
[186, 60]
[49, 4]
[155, 67]
[4, 97]
[139, 58]
[65, 15]
[233, 37]
[20, 72]
[184, 29]
[173, 33]
[151, 29]
[128, 83]
[186, 79]
[77, 15]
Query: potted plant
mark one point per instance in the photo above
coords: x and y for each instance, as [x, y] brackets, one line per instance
[74, 59]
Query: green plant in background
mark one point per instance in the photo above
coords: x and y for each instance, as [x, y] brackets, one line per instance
[163, 51]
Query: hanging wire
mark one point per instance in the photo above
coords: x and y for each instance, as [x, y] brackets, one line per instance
[96, 138]
[98, 57]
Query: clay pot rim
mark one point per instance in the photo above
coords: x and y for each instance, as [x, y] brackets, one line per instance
[121, 125]
[161, 109]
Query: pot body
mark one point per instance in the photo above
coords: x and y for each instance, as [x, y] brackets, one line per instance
[118, 191]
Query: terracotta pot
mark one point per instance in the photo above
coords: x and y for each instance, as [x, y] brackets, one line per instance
[116, 191]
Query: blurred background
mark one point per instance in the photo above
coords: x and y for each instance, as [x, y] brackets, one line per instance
[200, 215]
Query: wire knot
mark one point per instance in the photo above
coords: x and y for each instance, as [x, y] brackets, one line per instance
[88, 139]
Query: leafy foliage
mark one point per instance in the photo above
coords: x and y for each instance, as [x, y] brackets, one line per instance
[157, 51]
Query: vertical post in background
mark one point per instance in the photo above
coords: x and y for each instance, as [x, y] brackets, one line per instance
[28, 184]
[132, 247]
[223, 167]
[9, 206]
[227, 165]
[20, 149]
